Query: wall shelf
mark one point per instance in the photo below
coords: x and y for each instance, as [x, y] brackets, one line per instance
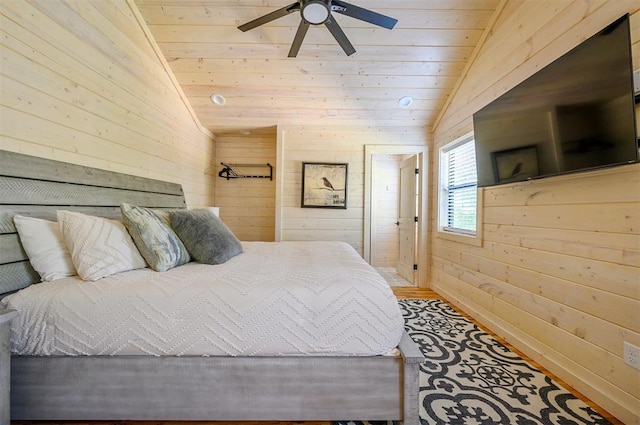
[228, 172]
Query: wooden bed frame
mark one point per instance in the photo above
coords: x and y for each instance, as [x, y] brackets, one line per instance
[174, 388]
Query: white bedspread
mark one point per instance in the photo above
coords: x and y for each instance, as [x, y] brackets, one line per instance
[282, 298]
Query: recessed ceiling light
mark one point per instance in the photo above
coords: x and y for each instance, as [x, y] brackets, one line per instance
[405, 101]
[245, 132]
[218, 99]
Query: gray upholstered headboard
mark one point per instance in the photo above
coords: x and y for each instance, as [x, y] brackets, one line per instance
[38, 187]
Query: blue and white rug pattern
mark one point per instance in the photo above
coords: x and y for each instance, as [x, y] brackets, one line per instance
[469, 378]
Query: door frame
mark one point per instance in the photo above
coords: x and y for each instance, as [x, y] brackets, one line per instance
[423, 222]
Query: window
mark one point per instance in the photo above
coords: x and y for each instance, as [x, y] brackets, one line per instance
[458, 187]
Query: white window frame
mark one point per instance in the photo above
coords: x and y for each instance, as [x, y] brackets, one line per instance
[458, 235]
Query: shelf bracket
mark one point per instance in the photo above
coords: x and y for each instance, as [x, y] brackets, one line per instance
[229, 173]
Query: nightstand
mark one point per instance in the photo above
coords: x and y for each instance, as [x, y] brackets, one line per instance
[5, 363]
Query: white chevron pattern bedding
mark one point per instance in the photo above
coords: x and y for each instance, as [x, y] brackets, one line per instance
[285, 298]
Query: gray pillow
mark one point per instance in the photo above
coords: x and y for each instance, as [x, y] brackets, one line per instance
[156, 241]
[207, 239]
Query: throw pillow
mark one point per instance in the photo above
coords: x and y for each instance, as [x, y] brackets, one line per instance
[158, 244]
[45, 247]
[206, 237]
[99, 247]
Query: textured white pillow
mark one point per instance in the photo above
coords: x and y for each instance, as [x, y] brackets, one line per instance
[45, 247]
[99, 247]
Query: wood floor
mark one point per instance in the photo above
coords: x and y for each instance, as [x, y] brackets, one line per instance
[402, 292]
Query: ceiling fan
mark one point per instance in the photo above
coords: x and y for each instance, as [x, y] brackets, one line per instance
[316, 12]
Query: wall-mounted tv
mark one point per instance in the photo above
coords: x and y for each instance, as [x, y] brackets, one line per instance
[577, 113]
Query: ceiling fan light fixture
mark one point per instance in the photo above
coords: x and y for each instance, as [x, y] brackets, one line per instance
[316, 12]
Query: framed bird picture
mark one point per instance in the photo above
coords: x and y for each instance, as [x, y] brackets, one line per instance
[515, 164]
[324, 185]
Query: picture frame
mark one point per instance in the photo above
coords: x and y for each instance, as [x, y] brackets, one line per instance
[324, 185]
[515, 164]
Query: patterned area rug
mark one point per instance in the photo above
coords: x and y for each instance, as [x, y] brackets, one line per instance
[469, 378]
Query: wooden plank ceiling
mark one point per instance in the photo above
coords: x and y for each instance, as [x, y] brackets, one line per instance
[422, 57]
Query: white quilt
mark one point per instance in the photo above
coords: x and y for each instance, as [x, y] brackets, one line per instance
[285, 298]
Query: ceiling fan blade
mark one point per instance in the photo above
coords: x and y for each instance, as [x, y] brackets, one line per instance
[340, 36]
[363, 14]
[297, 41]
[293, 7]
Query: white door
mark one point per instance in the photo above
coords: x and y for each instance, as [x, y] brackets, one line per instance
[407, 221]
[385, 180]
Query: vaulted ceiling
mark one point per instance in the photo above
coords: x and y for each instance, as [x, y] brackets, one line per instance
[423, 57]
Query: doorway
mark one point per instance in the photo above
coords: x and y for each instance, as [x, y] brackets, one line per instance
[395, 241]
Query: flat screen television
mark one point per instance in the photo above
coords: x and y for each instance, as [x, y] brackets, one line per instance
[577, 113]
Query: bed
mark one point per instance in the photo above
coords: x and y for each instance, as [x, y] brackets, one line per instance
[138, 383]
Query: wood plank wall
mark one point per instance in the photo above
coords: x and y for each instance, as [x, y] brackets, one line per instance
[558, 273]
[82, 83]
[248, 206]
[338, 144]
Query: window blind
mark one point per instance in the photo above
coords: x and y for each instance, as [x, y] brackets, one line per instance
[461, 188]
